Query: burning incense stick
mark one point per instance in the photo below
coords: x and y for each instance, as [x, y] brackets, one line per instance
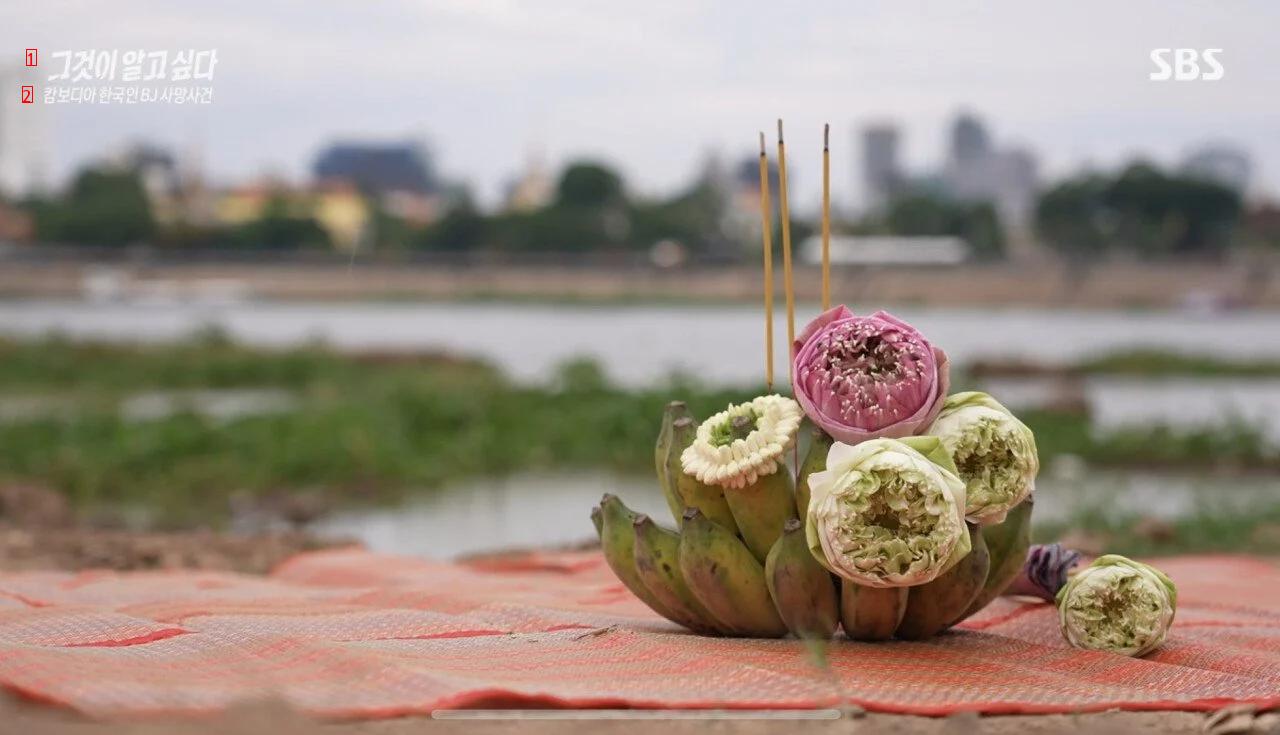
[766, 227]
[785, 212]
[826, 217]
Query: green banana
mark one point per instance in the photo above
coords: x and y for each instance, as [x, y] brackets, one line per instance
[726, 578]
[1007, 544]
[617, 537]
[761, 509]
[597, 520]
[815, 460]
[934, 606]
[692, 493]
[673, 411]
[657, 553]
[871, 613]
[802, 589]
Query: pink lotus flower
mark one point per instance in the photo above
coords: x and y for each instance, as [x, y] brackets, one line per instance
[863, 377]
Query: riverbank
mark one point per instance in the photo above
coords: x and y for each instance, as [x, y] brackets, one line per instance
[118, 276]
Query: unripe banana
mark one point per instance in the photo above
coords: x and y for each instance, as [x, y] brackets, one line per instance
[1007, 544]
[871, 613]
[761, 509]
[933, 607]
[657, 552]
[726, 578]
[674, 410]
[815, 460]
[803, 591]
[597, 520]
[692, 493]
[617, 538]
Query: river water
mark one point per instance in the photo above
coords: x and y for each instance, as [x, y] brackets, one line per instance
[641, 344]
[529, 511]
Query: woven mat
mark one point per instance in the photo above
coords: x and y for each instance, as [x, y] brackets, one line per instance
[352, 634]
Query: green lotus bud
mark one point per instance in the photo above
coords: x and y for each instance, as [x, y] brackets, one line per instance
[887, 512]
[994, 452]
[1117, 605]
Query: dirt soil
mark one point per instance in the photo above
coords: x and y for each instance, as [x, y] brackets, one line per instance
[274, 719]
[80, 548]
[85, 548]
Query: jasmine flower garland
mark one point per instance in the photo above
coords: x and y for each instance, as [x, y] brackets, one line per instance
[744, 442]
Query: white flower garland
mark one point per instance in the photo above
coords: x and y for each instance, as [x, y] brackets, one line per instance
[742, 461]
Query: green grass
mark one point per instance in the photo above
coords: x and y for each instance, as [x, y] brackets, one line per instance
[1149, 363]
[1205, 531]
[1231, 447]
[1145, 363]
[206, 360]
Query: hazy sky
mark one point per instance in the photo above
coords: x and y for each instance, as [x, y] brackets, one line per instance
[651, 86]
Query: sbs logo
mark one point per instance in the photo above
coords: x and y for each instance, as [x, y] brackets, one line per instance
[1184, 65]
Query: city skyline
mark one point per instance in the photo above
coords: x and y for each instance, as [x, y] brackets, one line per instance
[652, 90]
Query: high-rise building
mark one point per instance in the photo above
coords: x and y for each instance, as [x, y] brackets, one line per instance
[882, 176]
[969, 140]
[24, 156]
[978, 171]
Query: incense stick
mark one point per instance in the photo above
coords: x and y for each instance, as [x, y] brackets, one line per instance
[826, 217]
[766, 227]
[785, 212]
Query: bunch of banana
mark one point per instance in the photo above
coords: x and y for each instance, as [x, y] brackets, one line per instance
[754, 553]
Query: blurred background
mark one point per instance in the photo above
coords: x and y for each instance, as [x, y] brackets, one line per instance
[424, 274]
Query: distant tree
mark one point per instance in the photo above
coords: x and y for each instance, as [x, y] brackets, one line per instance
[184, 234]
[1173, 214]
[103, 207]
[589, 184]
[1072, 216]
[386, 230]
[691, 218]
[278, 228]
[929, 215]
[462, 228]
[801, 230]
[589, 213]
[1140, 210]
[561, 229]
[980, 227]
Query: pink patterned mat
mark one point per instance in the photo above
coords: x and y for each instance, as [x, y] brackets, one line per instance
[352, 634]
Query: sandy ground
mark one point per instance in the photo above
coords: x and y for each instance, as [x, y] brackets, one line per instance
[1126, 285]
[273, 719]
[77, 548]
[27, 547]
